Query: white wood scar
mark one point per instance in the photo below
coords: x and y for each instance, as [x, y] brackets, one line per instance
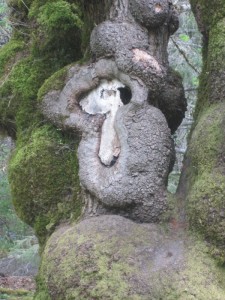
[105, 99]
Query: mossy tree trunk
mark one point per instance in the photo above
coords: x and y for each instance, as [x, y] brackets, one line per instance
[48, 37]
[42, 45]
[36, 65]
[202, 183]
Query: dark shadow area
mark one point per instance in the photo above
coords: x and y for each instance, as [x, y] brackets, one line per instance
[125, 95]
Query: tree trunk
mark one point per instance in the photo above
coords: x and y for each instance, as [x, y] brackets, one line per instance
[202, 183]
[129, 52]
[95, 138]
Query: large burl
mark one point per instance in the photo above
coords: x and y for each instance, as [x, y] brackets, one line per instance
[125, 103]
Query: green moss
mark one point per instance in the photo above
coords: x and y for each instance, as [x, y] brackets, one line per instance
[209, 12]
[203, 101]
[211, 21]
[42, 294]
[206, 178]
[106, 262]
[58, 30]
[206, 206]
[43, 176]
[14, 292]
[43, 169]
[59, 16]
[205, 154]
[55, 82]
[18, 106]
[89, 274]
[8, 53]
[207, 139]
[202, 278]
[53, 43]
[19, 92]
[216, 46]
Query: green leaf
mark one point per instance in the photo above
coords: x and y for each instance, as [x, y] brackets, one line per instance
[184, 37]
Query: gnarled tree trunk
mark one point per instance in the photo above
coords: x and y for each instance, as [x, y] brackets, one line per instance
[130, 67]
[118, 107]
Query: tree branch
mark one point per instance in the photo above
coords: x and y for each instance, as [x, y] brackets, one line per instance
[184, 56]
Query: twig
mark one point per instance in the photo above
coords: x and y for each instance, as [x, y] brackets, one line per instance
[4, 32]
[184, 56]
[25, 5]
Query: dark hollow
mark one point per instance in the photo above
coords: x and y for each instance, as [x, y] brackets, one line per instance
[125, 95]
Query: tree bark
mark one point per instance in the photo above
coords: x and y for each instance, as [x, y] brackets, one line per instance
[129, 47]
[202, 183]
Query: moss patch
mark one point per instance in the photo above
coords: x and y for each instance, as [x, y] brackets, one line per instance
[18, 107]
[43, 168]
[44, 180]
[217, 46]
[58, 29]
[14, 292]
[110, 257]
[202, 277]
[58, 15]
[209, 13]
[8, 53]
[207, 210]
[207, 139]
[206, 204]
[211, 21]
[49, 41]
[55, 82]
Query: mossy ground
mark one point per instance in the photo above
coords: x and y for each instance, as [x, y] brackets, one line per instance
[15, 294]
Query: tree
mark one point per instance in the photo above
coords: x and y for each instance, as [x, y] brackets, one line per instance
[202, 180]
[125, 150]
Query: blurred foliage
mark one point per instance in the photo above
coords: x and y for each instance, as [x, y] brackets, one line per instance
[185, 56]
[11, 227]
[5, 27]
